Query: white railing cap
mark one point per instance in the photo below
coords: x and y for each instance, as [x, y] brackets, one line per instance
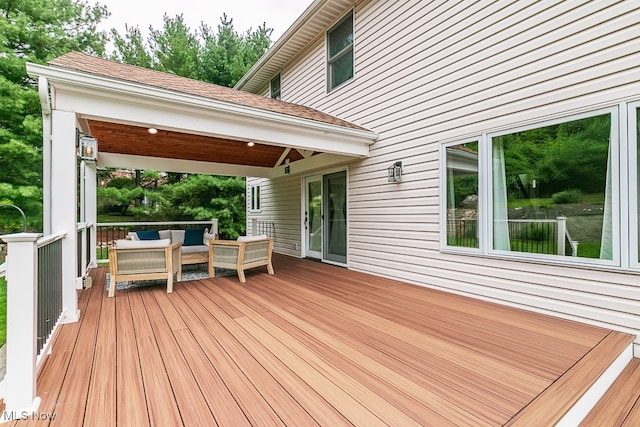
[20, 237]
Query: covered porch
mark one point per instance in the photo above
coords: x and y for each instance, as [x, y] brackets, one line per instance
[140, 119]
[314, 345]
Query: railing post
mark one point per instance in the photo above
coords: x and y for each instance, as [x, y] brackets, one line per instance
[562, 230]
[22, 308]
[254, 226]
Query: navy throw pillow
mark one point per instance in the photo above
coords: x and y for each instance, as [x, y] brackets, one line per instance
[193, 236]
[148, 235]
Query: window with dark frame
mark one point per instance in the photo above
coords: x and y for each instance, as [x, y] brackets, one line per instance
[340, 52]
[275, 87]
[255, 198]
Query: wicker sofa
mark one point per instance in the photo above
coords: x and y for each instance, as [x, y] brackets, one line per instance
[144, 260]
[194, 248]
[242, 254]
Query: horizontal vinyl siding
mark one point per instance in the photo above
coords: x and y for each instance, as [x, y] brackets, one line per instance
[280, 203]
[444, 70]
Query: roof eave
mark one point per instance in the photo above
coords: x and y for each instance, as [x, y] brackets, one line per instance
[293, 31]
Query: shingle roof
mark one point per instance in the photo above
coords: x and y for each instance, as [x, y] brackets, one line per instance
[111, 69]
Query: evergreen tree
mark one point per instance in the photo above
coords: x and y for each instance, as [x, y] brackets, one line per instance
[34, 31]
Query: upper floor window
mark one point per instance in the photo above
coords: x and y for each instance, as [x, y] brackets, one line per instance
[275, 87]
[340, 52]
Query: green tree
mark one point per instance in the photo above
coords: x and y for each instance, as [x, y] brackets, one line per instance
[176, 50]
[221, 57]
[131, 48]
[118, 200]
[202, 197]
[35, 31]
[227, 55]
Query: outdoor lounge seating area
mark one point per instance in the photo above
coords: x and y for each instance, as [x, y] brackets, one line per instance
[153, 254]
[194, 241]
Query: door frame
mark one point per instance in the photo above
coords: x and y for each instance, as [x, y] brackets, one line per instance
[306, 221]
[303, 202]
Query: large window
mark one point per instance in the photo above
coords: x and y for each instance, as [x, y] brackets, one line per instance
[552, 189]
[545, 191]
[340, 52]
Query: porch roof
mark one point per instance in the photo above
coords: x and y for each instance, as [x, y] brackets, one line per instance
[202, 127]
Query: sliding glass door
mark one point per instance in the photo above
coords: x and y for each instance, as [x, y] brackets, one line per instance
[335, 203]
[325, 217]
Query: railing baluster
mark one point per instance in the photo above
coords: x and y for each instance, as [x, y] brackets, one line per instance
[49, 290]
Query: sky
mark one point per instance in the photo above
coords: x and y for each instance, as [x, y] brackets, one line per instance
[246, 14]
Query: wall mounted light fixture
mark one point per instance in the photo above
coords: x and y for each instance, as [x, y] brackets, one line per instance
[88, 149]
[394, 172]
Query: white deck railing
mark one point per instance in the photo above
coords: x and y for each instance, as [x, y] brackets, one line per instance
[33, 272]
[554, 240]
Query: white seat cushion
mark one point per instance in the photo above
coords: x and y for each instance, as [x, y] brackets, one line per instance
[252, 238]
[125, 244]
[194, 249]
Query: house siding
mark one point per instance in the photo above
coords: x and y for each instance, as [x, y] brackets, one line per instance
[280, 203]
[449, 70]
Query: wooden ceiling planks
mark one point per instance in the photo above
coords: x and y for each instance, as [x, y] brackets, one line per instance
[135, 140]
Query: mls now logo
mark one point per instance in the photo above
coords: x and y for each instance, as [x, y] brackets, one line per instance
[26, 415]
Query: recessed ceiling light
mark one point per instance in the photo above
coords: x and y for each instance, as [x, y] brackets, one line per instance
[152, 131]
[250, 144]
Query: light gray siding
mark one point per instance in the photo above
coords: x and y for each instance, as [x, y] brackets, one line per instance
[280, 199]
[428, 72]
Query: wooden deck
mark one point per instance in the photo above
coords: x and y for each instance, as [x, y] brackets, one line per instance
[312, 345]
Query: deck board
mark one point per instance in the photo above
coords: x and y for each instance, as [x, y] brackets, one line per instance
[130, 396]
[312, 345]
[616, 406]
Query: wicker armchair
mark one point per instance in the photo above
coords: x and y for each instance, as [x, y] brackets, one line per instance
[240, 255]
[144, 260]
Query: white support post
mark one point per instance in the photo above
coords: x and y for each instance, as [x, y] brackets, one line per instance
[254, 226]
[22, 330]
[91, 206]
[562, 231]
[64, 205]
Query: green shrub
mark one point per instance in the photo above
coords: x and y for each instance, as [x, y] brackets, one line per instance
[567, 196]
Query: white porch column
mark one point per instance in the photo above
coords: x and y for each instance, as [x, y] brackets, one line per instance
[22, 329]
[64, 204]
[89, 203]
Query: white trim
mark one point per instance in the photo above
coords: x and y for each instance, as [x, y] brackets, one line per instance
[588, 400]
[183, 166]
[632, 165]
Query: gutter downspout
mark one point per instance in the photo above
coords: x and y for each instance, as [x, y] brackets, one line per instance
[45, 103]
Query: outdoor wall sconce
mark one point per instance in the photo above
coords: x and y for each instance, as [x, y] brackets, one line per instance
[88, 148]
[394, 172]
